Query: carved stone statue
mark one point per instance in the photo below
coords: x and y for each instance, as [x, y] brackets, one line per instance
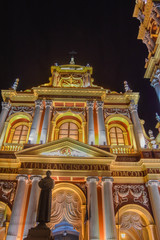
[41, 231]
[44, 208]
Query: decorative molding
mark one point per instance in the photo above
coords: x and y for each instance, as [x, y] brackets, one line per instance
[26, 109]
[7, 191]
[64, 152]
[111, 111]
[124, 194]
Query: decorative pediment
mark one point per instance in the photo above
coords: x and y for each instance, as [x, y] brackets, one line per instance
[66, 147]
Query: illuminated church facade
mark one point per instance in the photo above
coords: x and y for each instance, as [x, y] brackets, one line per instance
[105, 167]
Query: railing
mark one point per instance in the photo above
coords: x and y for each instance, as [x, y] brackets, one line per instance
[121, 149]
[12, 147]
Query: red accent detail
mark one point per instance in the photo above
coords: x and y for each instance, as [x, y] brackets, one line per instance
[59, 104]
[78, 179]
[64, 178]
[100, 212]
[79, 104]
[69, 104]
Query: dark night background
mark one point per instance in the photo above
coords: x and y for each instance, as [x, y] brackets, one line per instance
[36, 34]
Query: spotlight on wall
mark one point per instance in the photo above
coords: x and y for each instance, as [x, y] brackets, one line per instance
[123, 235]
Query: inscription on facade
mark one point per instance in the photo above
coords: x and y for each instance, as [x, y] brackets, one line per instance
[65, 166]
[128, 174]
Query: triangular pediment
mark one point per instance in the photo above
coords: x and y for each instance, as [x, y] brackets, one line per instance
[66, 147]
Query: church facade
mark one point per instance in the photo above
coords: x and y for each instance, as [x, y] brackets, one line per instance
[105, 167]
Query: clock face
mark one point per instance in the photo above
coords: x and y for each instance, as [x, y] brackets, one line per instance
[71, 82]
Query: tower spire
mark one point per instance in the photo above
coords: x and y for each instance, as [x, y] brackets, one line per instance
[15, 85]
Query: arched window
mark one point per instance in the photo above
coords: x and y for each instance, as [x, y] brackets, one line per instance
[20, 134]
[116, 136]
[68, 129]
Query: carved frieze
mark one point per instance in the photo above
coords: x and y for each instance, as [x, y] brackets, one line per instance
[25, 109]
[7, 191]
[111, 111]
[130, 194]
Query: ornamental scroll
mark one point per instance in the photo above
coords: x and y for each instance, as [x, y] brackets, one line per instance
[130, 194]
[28, 110]
[7, 191]
[111, 111]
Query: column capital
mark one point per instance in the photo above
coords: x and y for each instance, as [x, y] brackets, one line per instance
[5, 105]
[35, 177]
[107, 179]
[38, 103]
[133, 107]
[49, 103]
[23, 177]
[99, 104]
[92, 179]
[154, 82]
[90, 104]
[153, 183]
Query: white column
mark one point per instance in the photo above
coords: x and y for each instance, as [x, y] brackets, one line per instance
[90, 121]
[108, 209]
[140, 140]
[101, 126]
[33, 204]
[93, 208]
[156, 84]
[155, 202]
[46, 121]
[16, 221]
[3, 115]
[36, 122]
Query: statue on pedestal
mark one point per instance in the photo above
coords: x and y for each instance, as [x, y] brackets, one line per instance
[41, 231]
[44, 208]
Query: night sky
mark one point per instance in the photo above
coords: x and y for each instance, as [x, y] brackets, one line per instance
[36, 34]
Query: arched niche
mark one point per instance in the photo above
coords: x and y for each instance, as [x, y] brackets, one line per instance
[135, 223]
[68, 204]
[5, 214]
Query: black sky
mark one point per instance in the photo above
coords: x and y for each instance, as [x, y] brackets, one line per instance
[36, 34]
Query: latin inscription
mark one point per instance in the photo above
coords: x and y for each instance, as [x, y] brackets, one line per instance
[65, 166]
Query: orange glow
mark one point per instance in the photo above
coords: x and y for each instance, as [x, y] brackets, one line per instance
[100, 211]
[25, 211]
[95, 126]
[40, 127]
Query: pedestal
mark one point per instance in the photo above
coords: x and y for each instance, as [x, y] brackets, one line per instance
[41, 232]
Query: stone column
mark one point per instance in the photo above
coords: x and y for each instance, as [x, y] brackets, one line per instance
[101, 125]
[36, 122]
[46, 121]
[16, 221]
[108, 209]
[93, 208]
[91, 135]
[33, 204]
[140, 140]
[3, 115]
[156, 84]
[155, 202]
